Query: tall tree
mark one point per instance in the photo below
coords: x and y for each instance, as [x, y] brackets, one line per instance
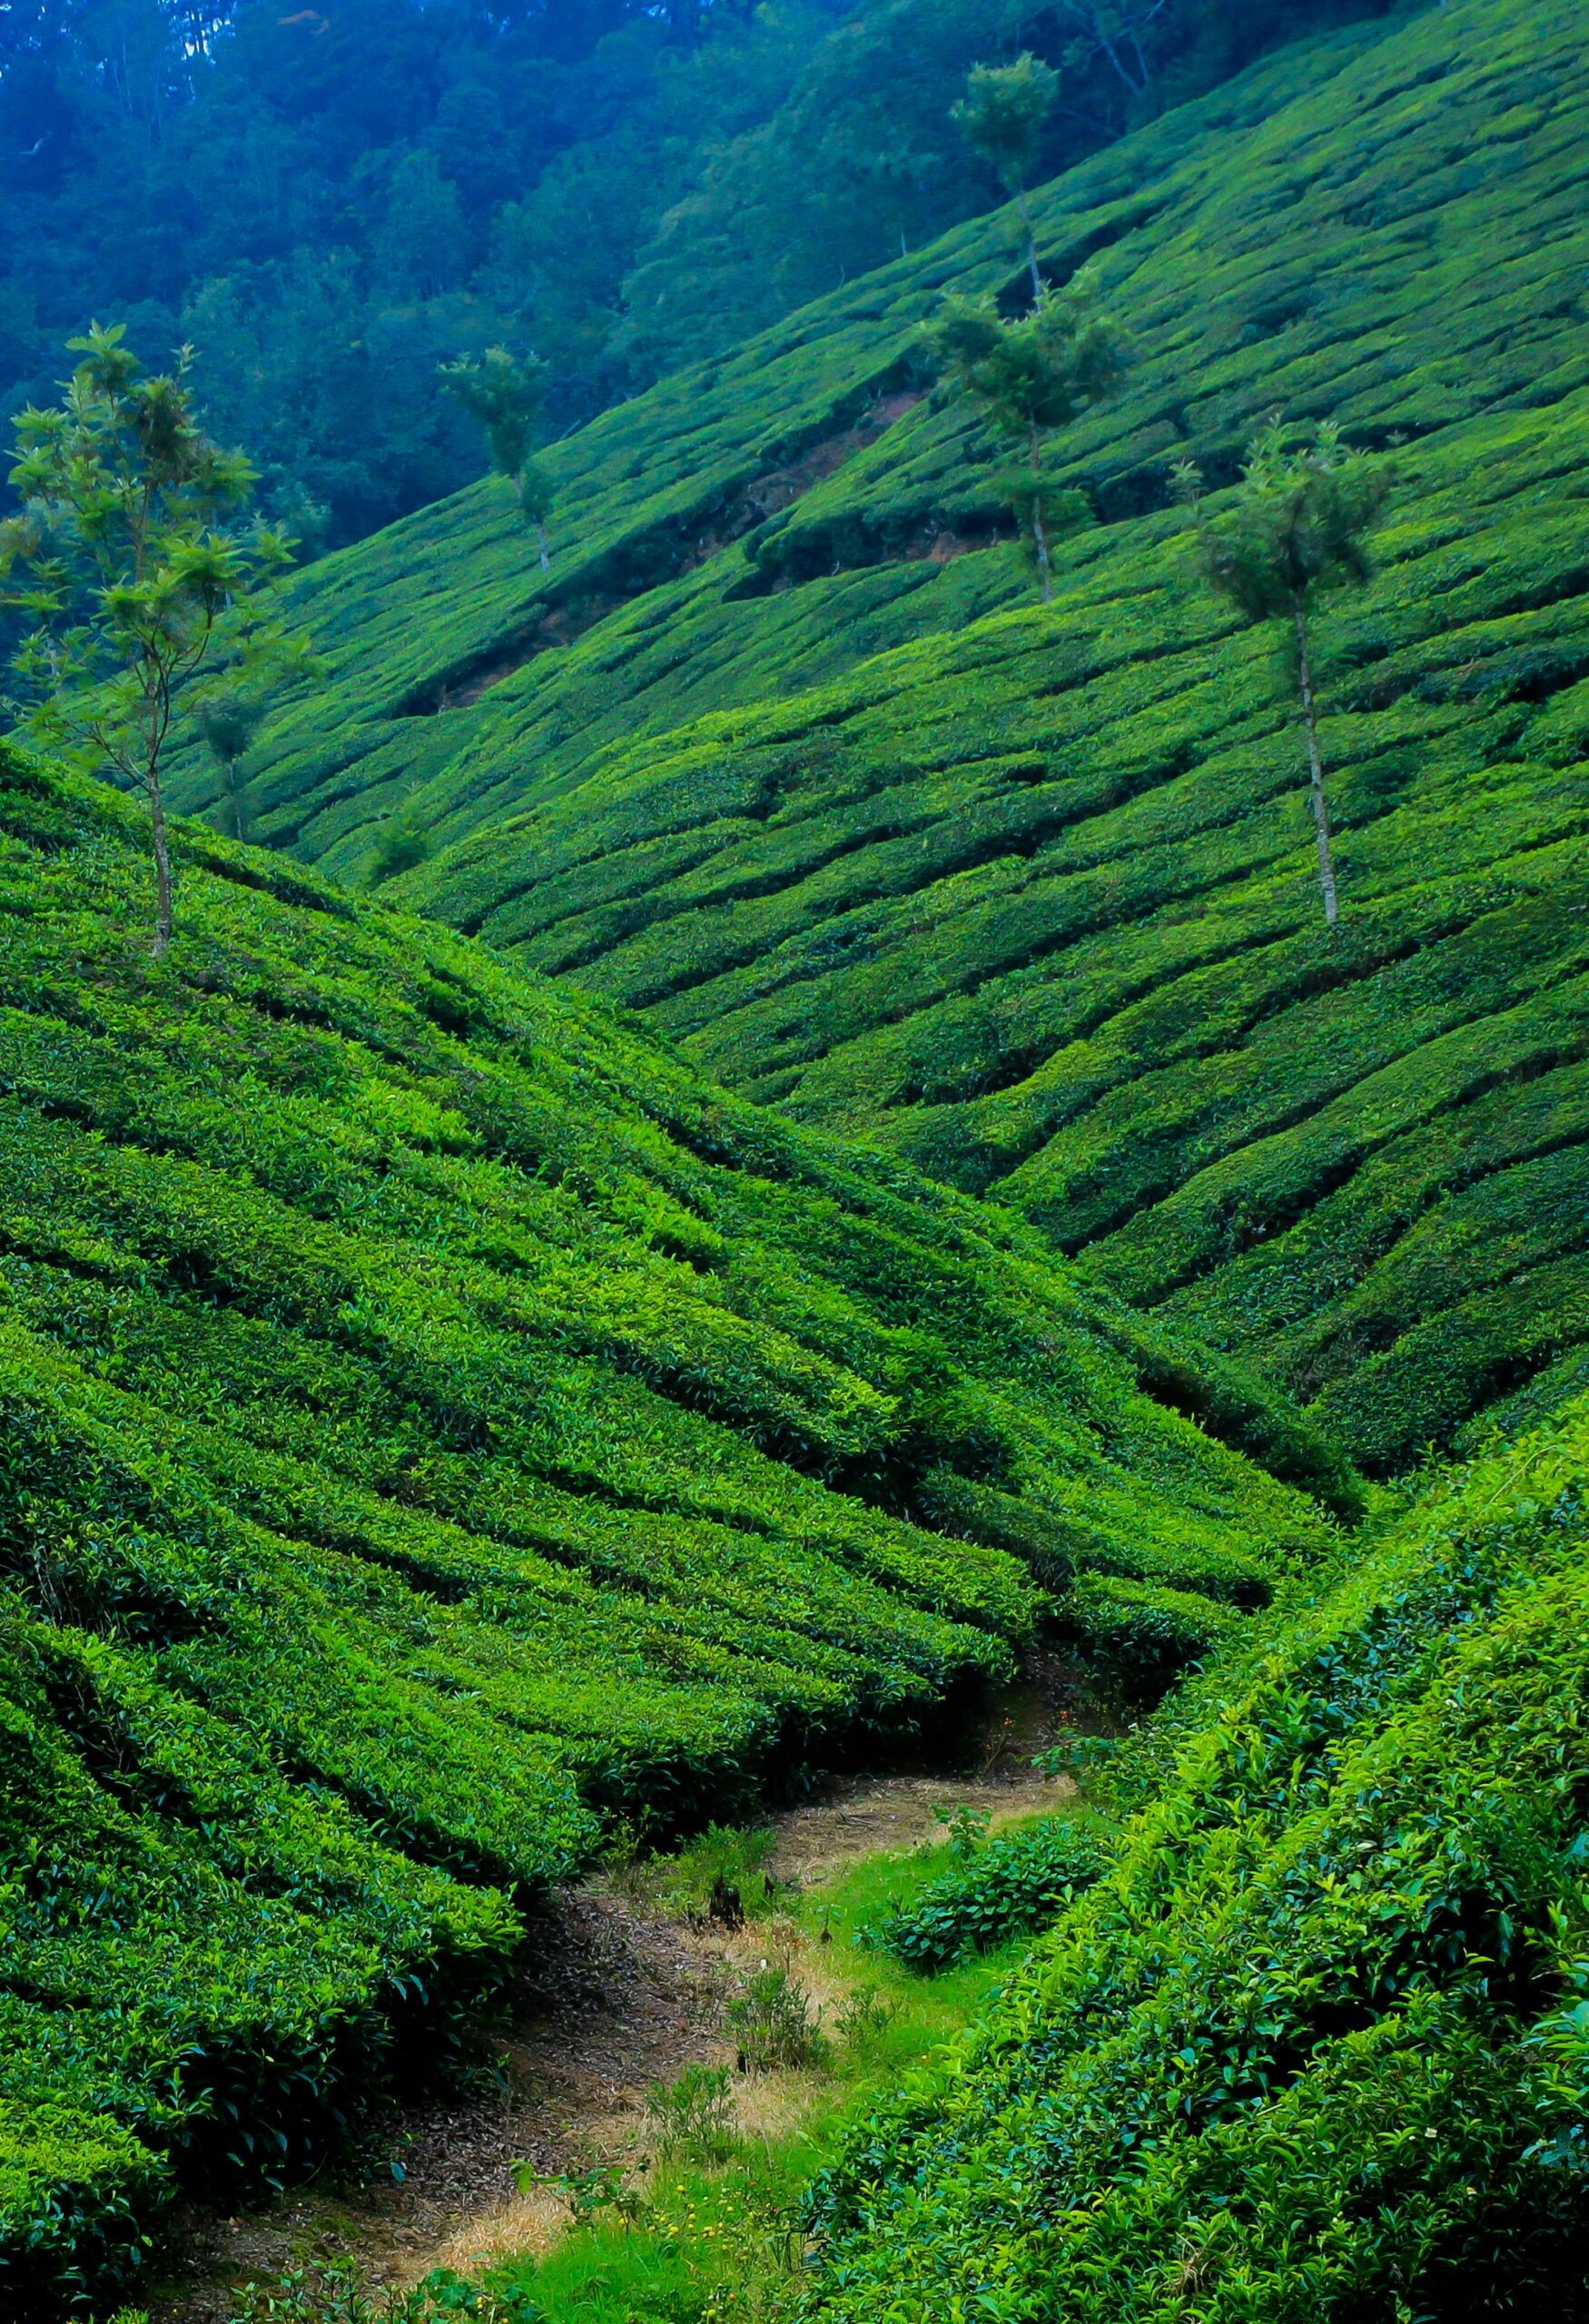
[1029, 377]
[1001, 117]
[1295, 528]
[132, 586]
[508, 396]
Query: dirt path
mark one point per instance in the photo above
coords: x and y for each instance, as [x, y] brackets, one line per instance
[614, 1996]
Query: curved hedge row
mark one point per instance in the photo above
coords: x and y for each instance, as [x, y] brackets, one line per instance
[1029, 902]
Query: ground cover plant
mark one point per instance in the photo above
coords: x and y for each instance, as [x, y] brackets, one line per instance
[713, 2234]
[1307, 2041]
[1314, 2046]
[437, 1428]
[1026, 901]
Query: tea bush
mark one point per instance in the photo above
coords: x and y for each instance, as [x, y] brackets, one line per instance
[1017, 1881]
[1023, 896]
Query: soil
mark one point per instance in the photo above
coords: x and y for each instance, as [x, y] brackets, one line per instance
[614, 1995]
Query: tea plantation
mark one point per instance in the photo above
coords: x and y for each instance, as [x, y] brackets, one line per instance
[435, 1422]
[846, 1140]
[1025, 897]
[1318, 2044]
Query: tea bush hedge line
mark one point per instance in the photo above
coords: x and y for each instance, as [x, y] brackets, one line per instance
[1314, 2046]
[433, 1422]
[665, 508]
[1029, 902]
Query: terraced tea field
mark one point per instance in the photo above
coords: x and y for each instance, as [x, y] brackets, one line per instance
[1025, 897]
[437, 1423]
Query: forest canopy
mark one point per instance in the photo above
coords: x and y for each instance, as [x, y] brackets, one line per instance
[330, 202]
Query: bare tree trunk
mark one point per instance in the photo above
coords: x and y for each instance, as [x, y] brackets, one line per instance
[1030, 249]
[546, 554]
[1315, 771]
[1040, 535]
[162, 869]
[238, 819]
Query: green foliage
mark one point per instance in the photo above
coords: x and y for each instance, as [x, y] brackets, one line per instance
[1003, 113]
[1029, 902]
[1296, 525]
[335, 2292]
[1294, 529]
[1029, 378]
[1001, 117]
[327, 204]
[435, 1425]
[725, 1858]
[1019, 1881]
[507, 396]
[775, 2022]
[401, 844]
[131, 591]
[1312, 2046]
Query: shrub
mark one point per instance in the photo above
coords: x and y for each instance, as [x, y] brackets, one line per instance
[1018, 1882]
[775, 2023]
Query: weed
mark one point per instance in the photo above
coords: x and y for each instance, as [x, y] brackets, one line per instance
[592, 2194]
[334, 2292]
[691, 2117]
[863, 2014]
[776, 2023]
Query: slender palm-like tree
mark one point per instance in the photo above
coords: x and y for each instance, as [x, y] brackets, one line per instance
[1294, 529]
[1029, 377]
[1001, 117]
[137, 585]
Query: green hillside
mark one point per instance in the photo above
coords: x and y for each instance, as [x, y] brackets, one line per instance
[1024, 897]
[675, 525]
[436, 1421]
[1317, 2045]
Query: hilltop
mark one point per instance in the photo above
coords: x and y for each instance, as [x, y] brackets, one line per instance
[786, 758]
[437, 1423]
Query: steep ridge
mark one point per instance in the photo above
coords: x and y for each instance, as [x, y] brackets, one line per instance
[435, 1422]
[1028, 901]
[1317, 2046]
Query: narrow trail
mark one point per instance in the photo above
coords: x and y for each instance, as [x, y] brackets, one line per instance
[616, 1994]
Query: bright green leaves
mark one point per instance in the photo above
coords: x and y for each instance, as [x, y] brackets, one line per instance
[1298, 522]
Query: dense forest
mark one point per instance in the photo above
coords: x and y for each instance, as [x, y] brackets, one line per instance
[795, 1163]
[328, 204]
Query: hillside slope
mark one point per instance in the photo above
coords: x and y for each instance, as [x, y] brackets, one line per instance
[1317, 2046]
[436, 1420]
[1030, 901]
[661, 603]
[1026, 899]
